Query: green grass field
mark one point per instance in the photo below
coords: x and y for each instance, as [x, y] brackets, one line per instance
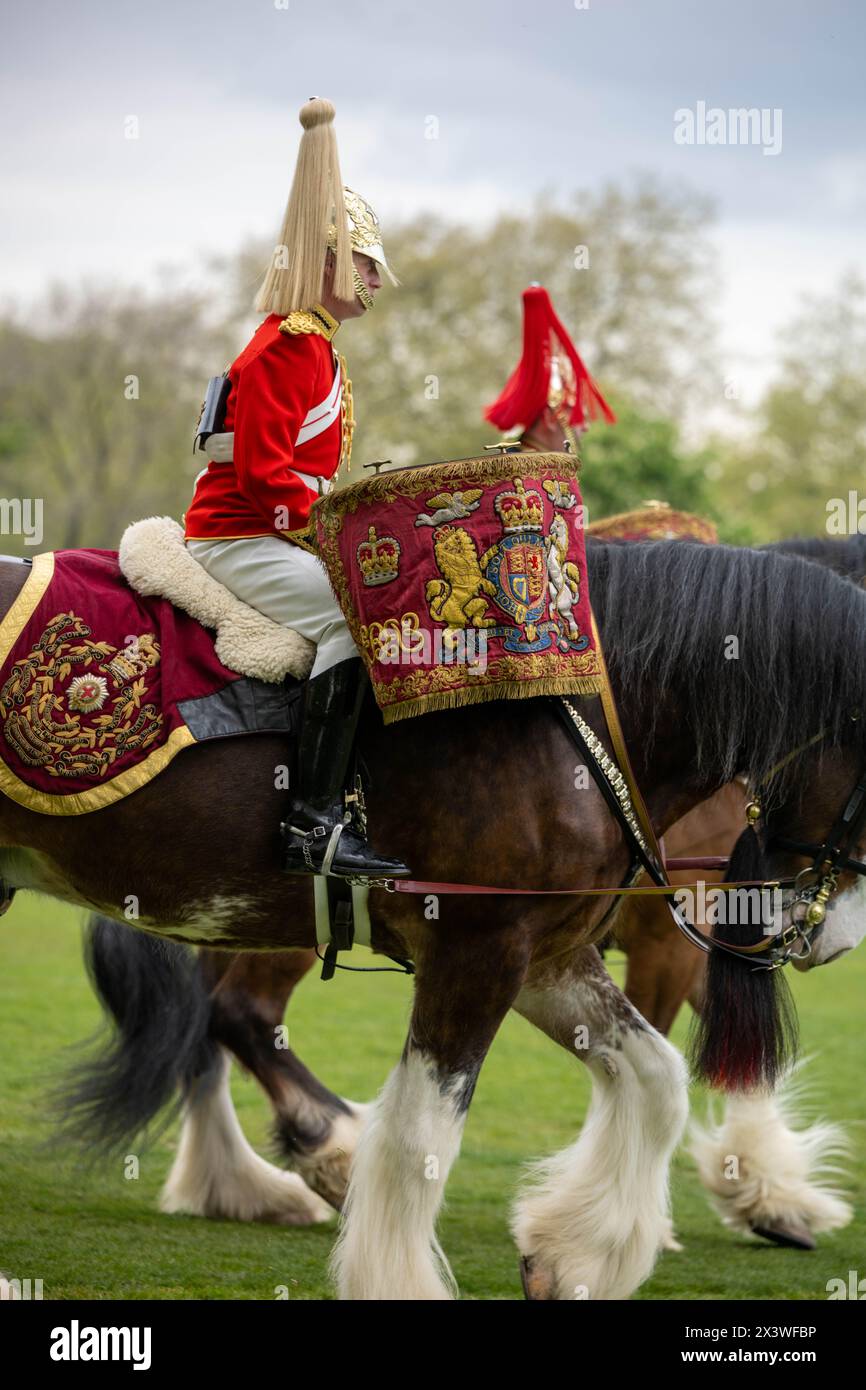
[95, 1234]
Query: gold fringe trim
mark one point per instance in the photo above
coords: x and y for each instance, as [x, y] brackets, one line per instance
[25, 603]
[96, 798]
[408, 482]
[496, 690]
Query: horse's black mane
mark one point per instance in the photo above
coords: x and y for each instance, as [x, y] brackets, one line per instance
[667, 611]
[845, 555]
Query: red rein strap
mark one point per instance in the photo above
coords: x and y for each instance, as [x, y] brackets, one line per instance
[420, 885]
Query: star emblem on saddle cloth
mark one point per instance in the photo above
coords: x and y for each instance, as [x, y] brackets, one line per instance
[87, 693]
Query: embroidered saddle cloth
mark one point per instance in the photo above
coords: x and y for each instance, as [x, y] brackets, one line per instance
[100, 687]
[464, 581]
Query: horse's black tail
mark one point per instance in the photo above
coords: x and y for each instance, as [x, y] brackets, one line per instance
[158, 1013]
[746, 1033]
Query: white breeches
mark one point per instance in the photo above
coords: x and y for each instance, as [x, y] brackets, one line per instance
[285, 583]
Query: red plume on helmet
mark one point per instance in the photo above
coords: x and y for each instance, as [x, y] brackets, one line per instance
[529, 389]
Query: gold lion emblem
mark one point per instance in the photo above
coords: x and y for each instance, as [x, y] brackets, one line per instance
[457, 598]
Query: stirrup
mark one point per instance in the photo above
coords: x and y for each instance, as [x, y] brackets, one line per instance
[359, 864]
[308, 838]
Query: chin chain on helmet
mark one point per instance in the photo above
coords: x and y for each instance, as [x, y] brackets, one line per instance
[361, 290]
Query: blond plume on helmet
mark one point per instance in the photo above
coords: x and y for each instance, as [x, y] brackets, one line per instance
[294, 277]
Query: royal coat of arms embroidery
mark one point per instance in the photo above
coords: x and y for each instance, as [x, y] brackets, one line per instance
[489, 599]
[526, 573]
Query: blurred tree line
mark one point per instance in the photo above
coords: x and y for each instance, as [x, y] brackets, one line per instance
[100, 391]
[808, 438]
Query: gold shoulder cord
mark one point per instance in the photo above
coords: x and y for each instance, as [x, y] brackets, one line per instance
[347, 415]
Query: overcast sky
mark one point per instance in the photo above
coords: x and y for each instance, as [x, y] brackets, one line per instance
[528, 97]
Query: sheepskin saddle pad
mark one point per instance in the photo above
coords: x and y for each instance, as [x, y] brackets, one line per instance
[155, 562]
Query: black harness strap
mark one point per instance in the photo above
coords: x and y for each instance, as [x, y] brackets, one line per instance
[642, 857]
[620, 804]
[834, 852]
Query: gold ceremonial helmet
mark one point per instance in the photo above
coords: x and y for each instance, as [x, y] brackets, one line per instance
[311, 227]
[365, 233]
[365, 236]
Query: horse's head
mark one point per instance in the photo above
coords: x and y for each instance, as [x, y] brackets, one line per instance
[844, 925]
[818, 838]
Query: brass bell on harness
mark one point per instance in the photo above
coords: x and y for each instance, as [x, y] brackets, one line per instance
[753, 812]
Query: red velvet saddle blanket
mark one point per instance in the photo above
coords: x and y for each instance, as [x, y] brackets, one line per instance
[100, 687]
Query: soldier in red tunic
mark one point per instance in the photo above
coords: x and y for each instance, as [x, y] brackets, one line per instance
[286, 430]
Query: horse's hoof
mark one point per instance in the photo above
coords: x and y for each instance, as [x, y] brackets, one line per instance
[536, 1286]
[791, 1237]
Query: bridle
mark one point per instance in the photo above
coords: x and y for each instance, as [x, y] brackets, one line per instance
[813, 887]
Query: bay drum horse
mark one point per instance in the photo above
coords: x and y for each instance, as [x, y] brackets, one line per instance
[178, 1024]
[239, 1000]
[199, 845]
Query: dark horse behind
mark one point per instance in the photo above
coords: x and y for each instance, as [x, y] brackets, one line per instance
[487, 795]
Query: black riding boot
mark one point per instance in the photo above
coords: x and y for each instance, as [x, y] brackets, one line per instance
[320, 835]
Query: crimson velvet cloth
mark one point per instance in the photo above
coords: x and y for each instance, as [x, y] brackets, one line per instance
[464, 581]
[91, 675]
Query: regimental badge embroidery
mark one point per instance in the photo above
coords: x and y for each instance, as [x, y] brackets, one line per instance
[518, 573]
[45, 707]
[516, 566]
[87, 693]
[378, 558]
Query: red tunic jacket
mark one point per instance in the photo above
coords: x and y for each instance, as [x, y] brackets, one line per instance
[285, 410]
